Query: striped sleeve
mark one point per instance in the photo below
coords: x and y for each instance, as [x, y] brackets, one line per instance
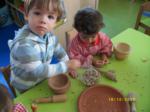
[28, 66]
[59, 51]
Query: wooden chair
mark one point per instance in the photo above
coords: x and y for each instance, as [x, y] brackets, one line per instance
[69, 36]
[146, 22]
[6, 73]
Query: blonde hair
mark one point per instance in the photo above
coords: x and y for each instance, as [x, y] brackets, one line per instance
[51, 5]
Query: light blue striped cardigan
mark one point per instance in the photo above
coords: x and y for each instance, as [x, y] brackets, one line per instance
[30, 57]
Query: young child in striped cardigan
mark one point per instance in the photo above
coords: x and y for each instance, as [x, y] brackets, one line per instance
[34, 45]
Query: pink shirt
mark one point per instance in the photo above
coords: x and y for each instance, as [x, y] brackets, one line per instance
[80, 50]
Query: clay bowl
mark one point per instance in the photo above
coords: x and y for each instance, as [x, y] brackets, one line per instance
[59, 84]
[102, 98]
[121, 50]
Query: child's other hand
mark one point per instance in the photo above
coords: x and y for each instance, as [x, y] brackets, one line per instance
[98, 63]
[73, 64]
[87, 62]
[105, 59]
[73, 73]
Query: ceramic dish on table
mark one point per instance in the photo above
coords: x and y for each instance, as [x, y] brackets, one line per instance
[102, 98]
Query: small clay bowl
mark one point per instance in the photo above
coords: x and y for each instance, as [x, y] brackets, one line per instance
[121, 50]
[59, 84]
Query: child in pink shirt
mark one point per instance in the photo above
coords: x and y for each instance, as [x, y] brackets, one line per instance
[89, 41]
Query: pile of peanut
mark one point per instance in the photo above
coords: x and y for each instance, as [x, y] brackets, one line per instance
[90, 76]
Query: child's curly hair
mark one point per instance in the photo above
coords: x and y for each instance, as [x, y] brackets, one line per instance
[88, 21]
[51, 5]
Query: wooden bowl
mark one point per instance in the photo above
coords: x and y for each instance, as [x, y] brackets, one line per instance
[59, 84]
[121, 50]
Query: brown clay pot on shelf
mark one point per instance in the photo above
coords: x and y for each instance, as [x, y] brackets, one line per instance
[121, 50]
[59, 84]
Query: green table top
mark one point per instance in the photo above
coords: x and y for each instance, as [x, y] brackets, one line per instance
[133, 75]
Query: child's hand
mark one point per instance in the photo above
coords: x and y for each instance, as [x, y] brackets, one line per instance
[98, 63]
[73, 64]
[105, 59]
[88, 61]
[73, 73]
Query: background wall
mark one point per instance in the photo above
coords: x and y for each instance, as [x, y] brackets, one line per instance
[91, 3]
[71, 8]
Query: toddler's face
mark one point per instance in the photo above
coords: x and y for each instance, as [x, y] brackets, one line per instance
[41, 21]
[88, 38]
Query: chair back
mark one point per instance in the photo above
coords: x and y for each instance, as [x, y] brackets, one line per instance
[69, 36]
[6, 71]
[145, 7]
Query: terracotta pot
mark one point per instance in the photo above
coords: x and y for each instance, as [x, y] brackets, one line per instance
[121, 50]
[102, 98]
[59, 84]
